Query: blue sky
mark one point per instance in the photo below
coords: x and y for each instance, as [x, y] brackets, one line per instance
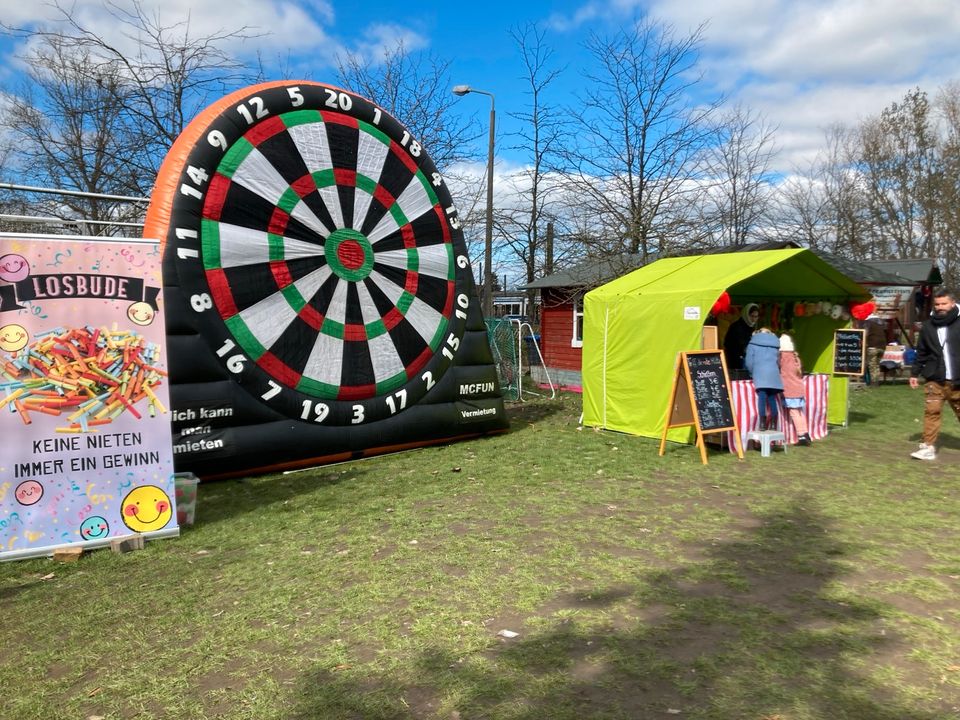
[802, 64]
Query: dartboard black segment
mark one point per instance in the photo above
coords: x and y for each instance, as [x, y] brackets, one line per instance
[318, 251]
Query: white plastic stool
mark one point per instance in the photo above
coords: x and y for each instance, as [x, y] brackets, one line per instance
[766, 438]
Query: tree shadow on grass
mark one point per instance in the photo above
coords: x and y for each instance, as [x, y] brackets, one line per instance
[751, 629]
[855, 417]
[220, 500]
[523, 413]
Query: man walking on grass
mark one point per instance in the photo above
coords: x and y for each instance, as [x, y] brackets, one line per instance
[938, 361]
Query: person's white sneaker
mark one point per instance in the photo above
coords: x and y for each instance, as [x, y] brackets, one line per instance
[926, 452]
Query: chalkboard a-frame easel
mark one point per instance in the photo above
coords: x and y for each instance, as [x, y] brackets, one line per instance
[849, 351]
[700, 396]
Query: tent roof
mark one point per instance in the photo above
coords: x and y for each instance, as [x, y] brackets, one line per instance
[912, 272]
[862, 272]
[588, 273]
[767, 274]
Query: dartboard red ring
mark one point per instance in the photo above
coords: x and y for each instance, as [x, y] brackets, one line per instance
[321, 252]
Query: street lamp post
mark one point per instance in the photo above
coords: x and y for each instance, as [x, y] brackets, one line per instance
[488, 240]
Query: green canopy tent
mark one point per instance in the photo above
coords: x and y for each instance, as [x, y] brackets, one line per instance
[635, 325]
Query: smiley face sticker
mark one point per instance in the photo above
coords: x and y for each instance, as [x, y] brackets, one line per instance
[13, 268]
[141, 313]
[146, 508]
[13, 337]
[28, 492]
[94, 528]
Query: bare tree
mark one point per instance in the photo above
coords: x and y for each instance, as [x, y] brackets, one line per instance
[889, 186]
[69, 130]
[801, 211]
[899, 164]
[845, 193]
[535, 190]
[639, 134]
[151, 78]
[415, 89]
[824, 205]
[947, 191]
[738, 195]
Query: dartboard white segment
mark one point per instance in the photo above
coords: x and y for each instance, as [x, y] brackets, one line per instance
[257, 174]
[325, 364]
[267, 319]
[241, 246]
[311, 142]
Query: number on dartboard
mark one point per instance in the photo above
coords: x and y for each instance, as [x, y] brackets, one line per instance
[201, 302]
[296, 98]
[454, 218]
[358, 415]
[453, 343]
[259, 110]
[338, 100]
[463, 302]
[392, 404]
[427, 377]
[217, 139]
[273, 391]
[316, 411]
[198, 175]
[191, 191]
[234, 362]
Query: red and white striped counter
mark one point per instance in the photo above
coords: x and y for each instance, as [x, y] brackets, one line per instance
[744, 397]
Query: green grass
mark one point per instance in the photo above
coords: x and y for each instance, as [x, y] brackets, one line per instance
[821, 583]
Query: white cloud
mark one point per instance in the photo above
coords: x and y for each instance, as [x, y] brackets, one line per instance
[382, 38]
[854, 40]
[302, 33]
[803, 117]
[278, 24]
[807, 65]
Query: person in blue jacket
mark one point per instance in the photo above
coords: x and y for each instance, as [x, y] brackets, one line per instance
[762, 361]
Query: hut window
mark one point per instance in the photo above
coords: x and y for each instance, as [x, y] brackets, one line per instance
[577, 339]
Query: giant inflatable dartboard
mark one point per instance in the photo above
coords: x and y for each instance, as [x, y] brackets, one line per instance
[313, 256]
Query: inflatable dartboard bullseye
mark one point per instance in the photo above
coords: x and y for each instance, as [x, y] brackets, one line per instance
[320, 298]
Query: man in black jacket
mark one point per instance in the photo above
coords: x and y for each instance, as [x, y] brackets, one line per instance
[938, 361]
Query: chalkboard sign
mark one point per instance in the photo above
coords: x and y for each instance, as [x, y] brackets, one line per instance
[848, 351]
[701, 397]
[711, 398]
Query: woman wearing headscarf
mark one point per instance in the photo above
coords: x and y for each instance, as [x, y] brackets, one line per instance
[738, 336]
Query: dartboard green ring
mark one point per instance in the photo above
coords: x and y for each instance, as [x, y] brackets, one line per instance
[349, 254]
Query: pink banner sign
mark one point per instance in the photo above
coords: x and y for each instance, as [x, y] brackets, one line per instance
[84, 425]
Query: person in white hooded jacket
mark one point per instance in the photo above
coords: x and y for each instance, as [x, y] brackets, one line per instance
[791, 372]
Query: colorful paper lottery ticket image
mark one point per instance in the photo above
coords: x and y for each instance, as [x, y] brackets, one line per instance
[89, 376]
